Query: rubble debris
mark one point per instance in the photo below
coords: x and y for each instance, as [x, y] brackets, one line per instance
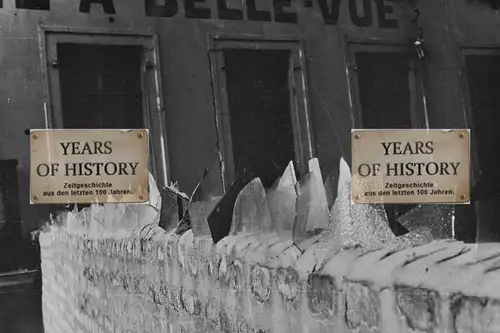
[199, 212]
[312, 205]
[331, 188]
[282, 201]
[356, 223]
[174, 203]
[220, 219]
[169, 210]
[184, 224]
[289, 178]
[437, 218]
[251, 213]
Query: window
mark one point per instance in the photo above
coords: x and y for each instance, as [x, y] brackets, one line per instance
[483, 83]
[100, 86]
[384, 89]
[387, 96]
[99, 80]
[483, 76]
[262, 114]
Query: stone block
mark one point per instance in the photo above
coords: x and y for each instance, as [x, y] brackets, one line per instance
[288, 284]
[321, 296]
[362, 307]
[418, 307]
[260, 283]
[475, 315]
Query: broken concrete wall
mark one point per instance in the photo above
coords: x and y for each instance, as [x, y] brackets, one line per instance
[163, 282]
[355, 276]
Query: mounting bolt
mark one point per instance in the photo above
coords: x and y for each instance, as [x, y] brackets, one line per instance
[35, 136]
[357, 136]
[35, 197]
[141, 197]
[461, 135]
[356, 197]
[463, 196]
[140, 135]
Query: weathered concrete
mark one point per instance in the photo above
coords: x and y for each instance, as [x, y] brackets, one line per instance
[152, 280]
[251, 283]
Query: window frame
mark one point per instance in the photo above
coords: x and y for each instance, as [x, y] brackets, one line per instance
[298, 87]
[153, 106]
[464, 51]
[418, 111]
[418, 106]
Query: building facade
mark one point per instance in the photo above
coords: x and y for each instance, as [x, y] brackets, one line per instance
[225, 84]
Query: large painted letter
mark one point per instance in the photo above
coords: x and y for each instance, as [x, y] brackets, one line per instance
[383, 21]
[280, 15]
[34, 5]
[226, 13]
[361, 21]
[257, 15]
[330, 14]
[193, 12]
[107, 5]
[169, 9]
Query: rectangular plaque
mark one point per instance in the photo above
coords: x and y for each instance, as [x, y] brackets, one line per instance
[89, 166]
[411, 166]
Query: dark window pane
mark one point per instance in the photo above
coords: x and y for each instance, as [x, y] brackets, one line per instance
[483, 74]
[100, 86]
[385, 97]
[259, 107]
[384, 89]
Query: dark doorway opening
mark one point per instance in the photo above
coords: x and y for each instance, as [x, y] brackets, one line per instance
[483, 74]
[386, 96]
[101, 86]
[259, 100]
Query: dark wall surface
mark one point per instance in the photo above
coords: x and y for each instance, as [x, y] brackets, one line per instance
[188, 96]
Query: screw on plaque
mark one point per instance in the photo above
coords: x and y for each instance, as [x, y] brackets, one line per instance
[463, 196]
[141, 197]
[356, 197]
[35, 197]
[35, 136]
[461, 135]
[140, 135]
[357, 136]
